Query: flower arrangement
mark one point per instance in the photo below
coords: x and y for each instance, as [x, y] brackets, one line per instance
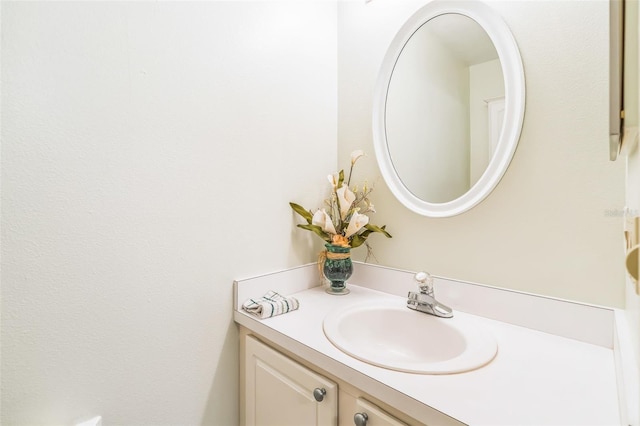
[343, 221]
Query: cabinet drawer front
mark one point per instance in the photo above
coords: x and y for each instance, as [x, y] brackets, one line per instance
[375, 416]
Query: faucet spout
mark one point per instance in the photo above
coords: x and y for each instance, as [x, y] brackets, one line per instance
[424, 300]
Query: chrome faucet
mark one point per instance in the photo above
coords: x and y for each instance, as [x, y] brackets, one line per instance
[425, 300]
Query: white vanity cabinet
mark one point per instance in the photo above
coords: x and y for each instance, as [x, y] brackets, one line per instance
[277, 390]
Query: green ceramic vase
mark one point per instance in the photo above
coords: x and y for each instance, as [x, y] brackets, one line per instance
[338, 268]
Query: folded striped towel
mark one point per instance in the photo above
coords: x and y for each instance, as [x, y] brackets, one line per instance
[271, 304]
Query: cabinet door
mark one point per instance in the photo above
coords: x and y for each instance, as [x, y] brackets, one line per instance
[350, 406]
[280, 392]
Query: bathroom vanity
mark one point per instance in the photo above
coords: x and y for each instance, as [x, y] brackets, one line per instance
[557, 362]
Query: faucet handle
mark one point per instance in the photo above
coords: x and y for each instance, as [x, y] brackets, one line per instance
[425, 282]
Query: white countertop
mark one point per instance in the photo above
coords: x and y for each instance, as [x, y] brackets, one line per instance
[537, 378]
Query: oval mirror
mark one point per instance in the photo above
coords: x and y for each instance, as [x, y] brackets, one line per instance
[448, 107]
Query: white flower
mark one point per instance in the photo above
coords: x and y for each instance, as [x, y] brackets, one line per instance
[357, 222]
[370, 207]
[345, 198]
[355, 155]
[333, 180]
[322, 219]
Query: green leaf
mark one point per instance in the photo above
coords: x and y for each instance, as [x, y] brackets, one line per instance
[357, 240]
[374, 228]
[365, 234]
[340, 178]
[302, 212]
[316, 230]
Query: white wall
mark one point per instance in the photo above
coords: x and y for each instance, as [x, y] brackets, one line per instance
[149, 152]
[546, 228]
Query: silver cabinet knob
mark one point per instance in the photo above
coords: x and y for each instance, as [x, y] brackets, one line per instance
[319, 394]
[360, 419]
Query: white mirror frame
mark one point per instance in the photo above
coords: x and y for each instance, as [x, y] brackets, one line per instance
[513, 72]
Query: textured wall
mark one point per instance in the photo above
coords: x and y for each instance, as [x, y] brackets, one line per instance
[149, 151]
[550, 226]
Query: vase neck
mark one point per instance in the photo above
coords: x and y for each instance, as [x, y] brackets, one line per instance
[338, 256]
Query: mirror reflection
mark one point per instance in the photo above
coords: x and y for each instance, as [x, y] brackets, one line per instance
[444, 108]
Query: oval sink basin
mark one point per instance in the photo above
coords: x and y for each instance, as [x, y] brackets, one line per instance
[398, 338]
